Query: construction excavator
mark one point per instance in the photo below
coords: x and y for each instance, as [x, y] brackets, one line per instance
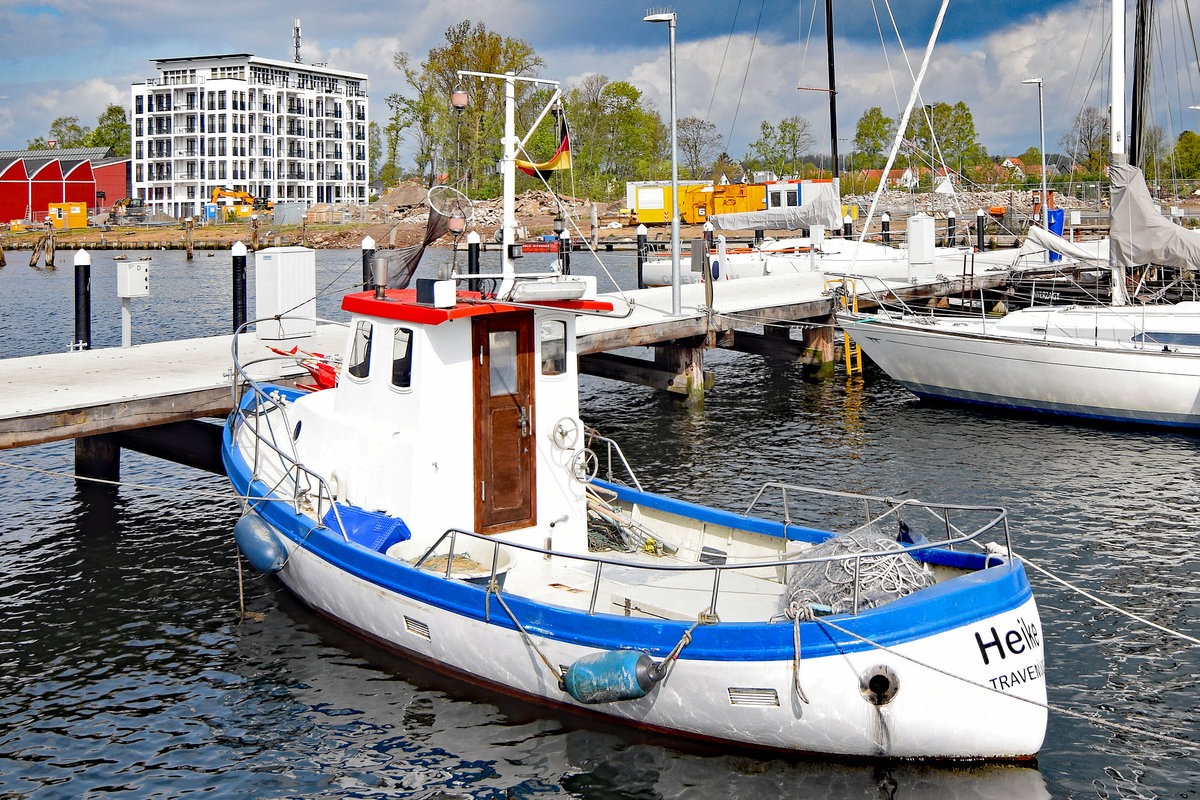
[242, 204]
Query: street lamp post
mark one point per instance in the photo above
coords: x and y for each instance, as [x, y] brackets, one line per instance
[669, 18]
[1042, 129]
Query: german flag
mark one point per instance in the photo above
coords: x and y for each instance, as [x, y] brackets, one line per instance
[560, 160]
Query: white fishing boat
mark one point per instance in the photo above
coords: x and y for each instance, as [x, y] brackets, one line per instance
[444, 501]
[1121, 362]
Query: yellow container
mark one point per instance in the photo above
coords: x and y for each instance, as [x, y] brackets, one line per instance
[68, 215]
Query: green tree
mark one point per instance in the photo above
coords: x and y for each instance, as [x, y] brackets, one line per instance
[726, 168]
[112, 130]
[873, 138]
[64, 132]
[1187, 155]
[779, 149]
[470, 136]
[945, 134]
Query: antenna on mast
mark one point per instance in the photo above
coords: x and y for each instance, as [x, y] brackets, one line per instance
[296, 41]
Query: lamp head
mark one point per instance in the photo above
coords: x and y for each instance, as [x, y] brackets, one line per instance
[659, 15]
[1038, 81]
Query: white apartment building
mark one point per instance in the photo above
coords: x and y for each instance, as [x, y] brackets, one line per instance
[277, 130]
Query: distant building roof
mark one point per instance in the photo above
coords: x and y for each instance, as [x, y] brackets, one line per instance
[64, 154]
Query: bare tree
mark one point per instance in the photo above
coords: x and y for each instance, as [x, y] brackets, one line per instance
[699, 143]
[1087, 141]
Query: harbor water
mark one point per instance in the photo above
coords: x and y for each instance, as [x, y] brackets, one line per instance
[128, 671]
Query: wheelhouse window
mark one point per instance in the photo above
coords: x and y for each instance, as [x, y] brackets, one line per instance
[554, 347]
[360, 351]
[402, 358]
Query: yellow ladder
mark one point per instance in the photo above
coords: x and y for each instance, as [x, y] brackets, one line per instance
[851, 349]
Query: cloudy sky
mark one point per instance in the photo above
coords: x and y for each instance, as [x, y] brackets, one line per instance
[739, 61]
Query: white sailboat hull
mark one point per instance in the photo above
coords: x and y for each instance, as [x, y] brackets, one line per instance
[1085, 376]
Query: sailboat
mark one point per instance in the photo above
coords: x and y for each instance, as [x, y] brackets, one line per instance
[1117, 363]
[444, 500]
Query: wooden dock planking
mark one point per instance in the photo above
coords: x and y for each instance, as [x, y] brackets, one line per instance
[86, 393]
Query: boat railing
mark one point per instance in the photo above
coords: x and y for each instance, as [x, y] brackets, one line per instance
[612, 457]
[892, 508]
[309, 490]
[597, 565]
[880, 298]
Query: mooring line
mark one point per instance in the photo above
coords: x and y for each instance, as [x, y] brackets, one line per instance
[161, 489]
[1106, 604]
[1162, 737]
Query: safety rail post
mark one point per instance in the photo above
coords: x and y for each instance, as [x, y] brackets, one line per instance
[450, 553]
[857, 566]
[595, 589]
[712, 608]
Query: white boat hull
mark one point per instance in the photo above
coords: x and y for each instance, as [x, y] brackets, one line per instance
[959, 363]
[747, 702]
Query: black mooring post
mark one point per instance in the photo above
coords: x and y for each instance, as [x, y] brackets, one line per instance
[980, 226]
[641, 255]
[885, 225]
[83, 301]
[368, 258]
[951, 229]
[238, 252]
[473, 246]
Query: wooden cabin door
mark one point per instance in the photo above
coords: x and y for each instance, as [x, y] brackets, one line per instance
[504, 435]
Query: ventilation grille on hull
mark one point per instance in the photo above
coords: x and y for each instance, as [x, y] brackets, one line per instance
[753, 697]
[417, 627]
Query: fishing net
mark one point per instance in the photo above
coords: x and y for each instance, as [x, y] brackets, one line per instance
[828, 586]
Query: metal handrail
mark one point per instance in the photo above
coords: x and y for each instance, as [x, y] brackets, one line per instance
[894, 508]
[611, 447]
[600, 562]
[293, 470]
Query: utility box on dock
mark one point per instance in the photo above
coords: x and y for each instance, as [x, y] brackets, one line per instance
[285, 280]
[133, 279]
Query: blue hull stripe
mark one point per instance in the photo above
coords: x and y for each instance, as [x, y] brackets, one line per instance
[961, 601]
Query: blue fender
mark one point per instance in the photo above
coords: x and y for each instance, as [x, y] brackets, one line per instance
[259, 544]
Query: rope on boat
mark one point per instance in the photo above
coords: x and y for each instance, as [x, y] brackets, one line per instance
[1095, 599]
[1116, 726]
[494, 589]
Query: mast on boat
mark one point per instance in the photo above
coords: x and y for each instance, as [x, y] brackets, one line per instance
[1116, 124]
[833, 130]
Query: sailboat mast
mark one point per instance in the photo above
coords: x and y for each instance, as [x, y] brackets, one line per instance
[1141, 82]
[1116, 107]
[1116, 121]
[833, 130]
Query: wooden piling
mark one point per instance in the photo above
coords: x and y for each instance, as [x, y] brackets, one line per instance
[818, 348]
[50, 252]
[188, 227]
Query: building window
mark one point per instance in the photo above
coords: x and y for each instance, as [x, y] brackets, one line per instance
[360, 351]
[138, 125]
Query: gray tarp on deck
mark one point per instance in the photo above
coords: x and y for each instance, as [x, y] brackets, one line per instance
[825, 209]
[1140, 234]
